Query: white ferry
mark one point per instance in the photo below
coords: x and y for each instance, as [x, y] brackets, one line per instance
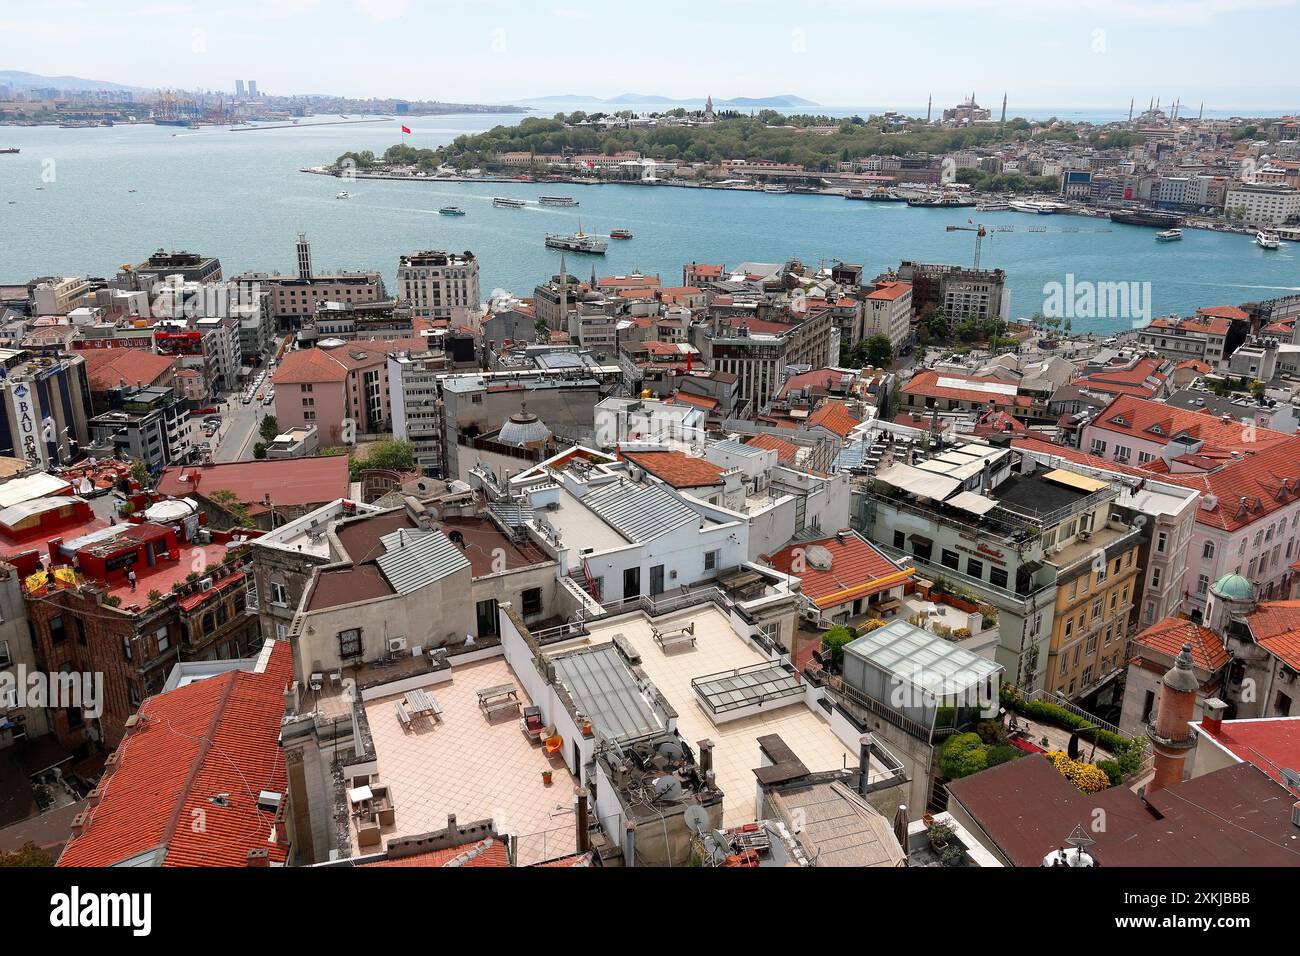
[557, 201]
[1267, 240]
[508, 203]
[577, 242]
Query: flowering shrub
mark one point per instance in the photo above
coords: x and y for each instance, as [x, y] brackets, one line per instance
[1085, 776]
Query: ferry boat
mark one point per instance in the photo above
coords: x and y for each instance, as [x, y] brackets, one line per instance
[1169, 235]
[620, 234]
[942, 201]
[451, 211]
[557, 201]
[776, 190]
[343, 195]
[1267, 240]
[1039, 207]
[577, 242]
[508, 203]
[996, 205]
[9, 150]
[879, 194]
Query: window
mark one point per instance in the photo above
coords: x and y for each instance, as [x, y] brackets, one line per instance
[126, 647]
[711, 559]
[1098, 447]
[950, 559]
[900, 540]
[281, 631]
[1162, 541]
[975, 568]
[279, 594]
[58, 633]
[532, 602]
[1155, 577]
[998, 577]
[162, 639]
[350, 643]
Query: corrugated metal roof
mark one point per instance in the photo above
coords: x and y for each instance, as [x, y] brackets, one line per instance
[604, 688]
[416, 559]
[512, 515]
[639, 512]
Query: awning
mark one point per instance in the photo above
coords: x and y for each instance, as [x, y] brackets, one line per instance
[1073, 479]
[975, 504]
[918, 482]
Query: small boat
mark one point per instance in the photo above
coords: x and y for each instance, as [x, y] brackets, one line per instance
[620, 234]
[557, 201]
[9, 151]
[451, 211]
[343, 195]
[1169, 235]
[996, 205]
[508, 203]
[1267, 240]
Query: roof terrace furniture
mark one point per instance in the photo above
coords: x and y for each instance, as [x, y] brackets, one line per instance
[673, 637]
[497, 698]
[420, 703]
[403, 717]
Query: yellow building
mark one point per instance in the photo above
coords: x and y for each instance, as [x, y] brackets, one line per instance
[1090, 626]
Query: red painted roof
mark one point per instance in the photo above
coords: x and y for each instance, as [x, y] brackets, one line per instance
[889, 291]
[699, 401]
[1230, 312]
[927, 384]
[1275, 625]
[677, 468]
[858, 569]
[108, 368]
[289, 482]
[785, 450]
[1168, 637]
[218, 736]
[1270, 743]
[819, 380]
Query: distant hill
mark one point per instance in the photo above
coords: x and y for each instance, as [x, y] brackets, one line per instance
[786, 101]
[19, 80]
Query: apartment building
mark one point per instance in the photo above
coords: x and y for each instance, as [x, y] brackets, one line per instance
[434, 282]
[416, 405]
[340, 388]
[757, 353]
[44, 407]
[887, 311]
[149, 425]
[1262, 204]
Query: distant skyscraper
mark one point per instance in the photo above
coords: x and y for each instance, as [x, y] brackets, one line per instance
[239, 88]
[304, 257]
[252, 87]
[1004, 107]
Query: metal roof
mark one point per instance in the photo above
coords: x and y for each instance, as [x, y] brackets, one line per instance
[639, 512]
[605, 690]
[922, 659]
[416, 559]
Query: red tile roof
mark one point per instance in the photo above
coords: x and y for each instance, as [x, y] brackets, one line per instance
[1157, 422]
[1230, 312]
[1275, 626]
[108, 368]
[214, 738]
[1167, 637]
[785, 450]
[308, 367]
[834, 416]
[490, 852]
[1270, 743]
[858, 569]
[820, 380]
[926, 384]
[289, 482]
[700, 401]
[889, 291]
[677, 468]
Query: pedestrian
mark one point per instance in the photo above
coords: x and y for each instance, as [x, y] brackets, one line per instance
[130, 577]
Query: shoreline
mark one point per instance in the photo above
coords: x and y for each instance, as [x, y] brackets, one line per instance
[1084, 212]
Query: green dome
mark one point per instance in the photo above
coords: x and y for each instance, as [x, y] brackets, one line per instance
[1233, 587]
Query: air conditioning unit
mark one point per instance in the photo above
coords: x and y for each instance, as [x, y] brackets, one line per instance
[396, 644]
[205, 583]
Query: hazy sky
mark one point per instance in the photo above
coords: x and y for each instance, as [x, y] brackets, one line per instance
[893, 53]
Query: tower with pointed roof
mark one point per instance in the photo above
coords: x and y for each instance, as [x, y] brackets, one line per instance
[1169, 732]
[709, 115]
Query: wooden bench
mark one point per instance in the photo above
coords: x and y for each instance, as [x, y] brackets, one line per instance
[492, 700]
[403, 717]
[499, 705]
[674, 637]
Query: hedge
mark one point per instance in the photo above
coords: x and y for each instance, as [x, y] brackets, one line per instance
[1129, 752]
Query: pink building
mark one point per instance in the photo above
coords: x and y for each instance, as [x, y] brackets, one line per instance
[342, 389]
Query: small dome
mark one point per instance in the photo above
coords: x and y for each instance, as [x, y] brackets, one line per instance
[1233, 587]
[525, 430]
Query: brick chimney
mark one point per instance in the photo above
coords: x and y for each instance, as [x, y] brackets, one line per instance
[1170, 735]
[706, 757]
[258, 858]
[1214, 711]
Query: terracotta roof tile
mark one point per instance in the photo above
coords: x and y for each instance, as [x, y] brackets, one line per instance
[1275, 625]
[677, 468]
[858, 569]
[1168, 637]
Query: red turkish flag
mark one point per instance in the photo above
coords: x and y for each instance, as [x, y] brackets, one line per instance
[406, 129]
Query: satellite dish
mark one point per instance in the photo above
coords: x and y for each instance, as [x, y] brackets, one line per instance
[668, 787]
[696, 818]
[671, 749]
[818, 557]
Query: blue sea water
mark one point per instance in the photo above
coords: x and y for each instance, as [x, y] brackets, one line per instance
[241, 196]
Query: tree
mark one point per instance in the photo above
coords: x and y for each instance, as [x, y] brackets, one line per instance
[962, 756]
[834, 641]
[140, 474]
[229, 502]
[390, 455]
[880, 352]
[259, 451]
[269, 429]
[29, 854]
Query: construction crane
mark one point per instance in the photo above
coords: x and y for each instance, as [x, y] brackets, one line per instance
[981, 233]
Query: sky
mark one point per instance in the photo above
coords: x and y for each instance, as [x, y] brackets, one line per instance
[1230, 54]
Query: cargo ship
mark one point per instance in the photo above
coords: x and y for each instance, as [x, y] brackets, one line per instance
[1158, 220]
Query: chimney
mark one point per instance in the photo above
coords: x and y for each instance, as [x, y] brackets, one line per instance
[79, 824]
[257, 858]
[706, 756]
[584, 837]
[901, 822]
[1214, 711]
[629, 844]
[864, 762]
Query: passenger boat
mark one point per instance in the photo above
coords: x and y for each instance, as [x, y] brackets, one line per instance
[344, 194]
[996, 205]
[557, 201]
[577, 242]
[1267, 240]
[508, 203]
[620, 234]
[451, 211]
[1169, 235]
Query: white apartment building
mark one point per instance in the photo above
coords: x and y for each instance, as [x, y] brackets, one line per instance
[1263, 204]
[415, 406]
[888, 311]
[434, 282]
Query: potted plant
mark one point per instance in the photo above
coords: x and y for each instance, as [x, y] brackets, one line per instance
[546, 777]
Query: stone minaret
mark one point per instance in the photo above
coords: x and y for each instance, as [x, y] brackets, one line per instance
[1170, 735]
